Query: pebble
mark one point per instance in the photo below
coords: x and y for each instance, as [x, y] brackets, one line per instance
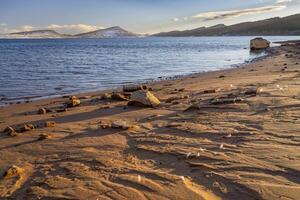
[10, 131]
[42, 111]
[43, 136]
[49, 124]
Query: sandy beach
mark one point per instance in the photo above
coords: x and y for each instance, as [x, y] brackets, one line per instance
[228, 134]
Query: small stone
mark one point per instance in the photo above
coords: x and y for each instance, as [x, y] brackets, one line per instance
[118, 96]
[49, 124]
[74, 101]
[252, 91]
[221, 76]
[105, 107]
[222, 146]
[42, 111]
[133, 88]
[10, 131]
[62, 110]
[43, 136]
[226, 101]
[85, 97]
[120, 124]
[105, 96]
[176, 102]
[27, 127]
[13, 171]
[211, 91]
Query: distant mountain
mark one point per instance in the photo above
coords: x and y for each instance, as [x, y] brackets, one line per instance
[37, 34]
[113, 32]
[275, 26]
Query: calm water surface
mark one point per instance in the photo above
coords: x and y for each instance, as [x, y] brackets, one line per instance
[47, 67]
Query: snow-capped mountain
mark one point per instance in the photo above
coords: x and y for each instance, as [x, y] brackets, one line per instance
[36, 34]
[113, 32]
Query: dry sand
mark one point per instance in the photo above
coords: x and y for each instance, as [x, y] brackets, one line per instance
[188, 148]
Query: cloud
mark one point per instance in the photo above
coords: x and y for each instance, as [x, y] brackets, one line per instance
[237, 13]
[66, 29]
[215, 15]
[73, 28]
[4, 29]
[283, 1]
[27, 28]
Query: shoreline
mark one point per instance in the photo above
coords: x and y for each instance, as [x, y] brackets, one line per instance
[29, 99]
[226, 134]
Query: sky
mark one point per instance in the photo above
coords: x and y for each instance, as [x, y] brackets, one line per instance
[139, 16]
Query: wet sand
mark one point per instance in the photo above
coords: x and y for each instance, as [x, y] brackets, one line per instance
[229, 134]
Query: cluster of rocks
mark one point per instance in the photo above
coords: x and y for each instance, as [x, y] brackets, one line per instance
[119, 124]
[72, 102]
[235, 97]
[135, 95]
[15, 131]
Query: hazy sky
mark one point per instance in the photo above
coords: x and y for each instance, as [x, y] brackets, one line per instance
[140, 16]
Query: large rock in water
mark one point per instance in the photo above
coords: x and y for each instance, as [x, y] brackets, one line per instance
[143, 98]
[259, 44]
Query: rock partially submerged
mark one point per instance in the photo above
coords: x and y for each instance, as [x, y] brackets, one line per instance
[143, 98]
[259, 44]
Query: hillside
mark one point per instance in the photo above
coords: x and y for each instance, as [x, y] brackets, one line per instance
[37, 34]
[275, 26]
[113, 32]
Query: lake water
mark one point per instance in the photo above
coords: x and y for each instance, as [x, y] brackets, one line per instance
[46, 67]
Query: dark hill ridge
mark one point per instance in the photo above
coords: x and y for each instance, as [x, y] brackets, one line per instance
[274, 26]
